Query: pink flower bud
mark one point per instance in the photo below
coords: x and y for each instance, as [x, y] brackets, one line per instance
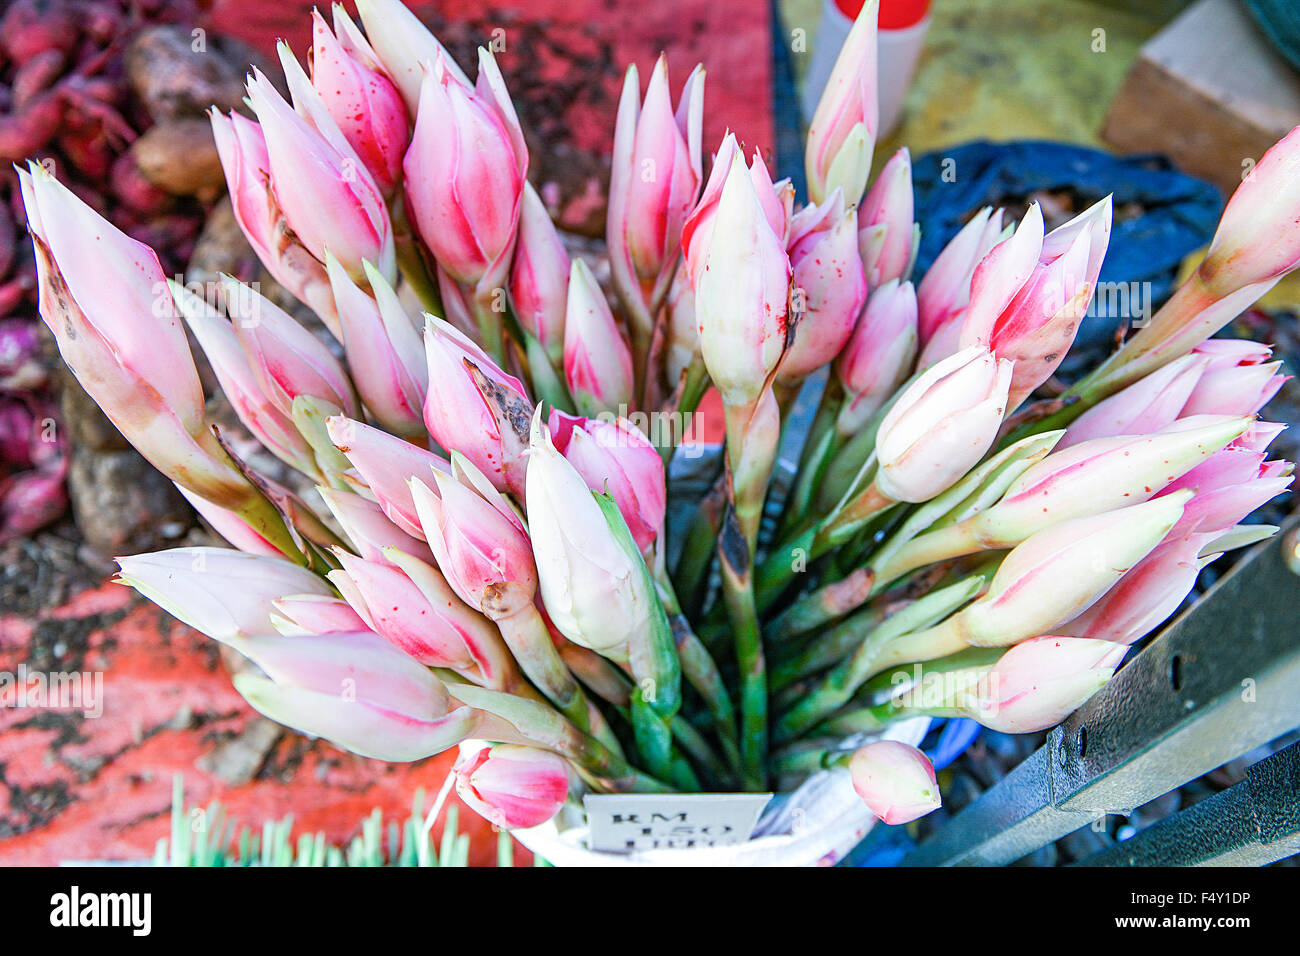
[1101, 474]
[942, 425]
[887, 234]
[383, 349]
[593, 589]
[404, 46]
[895, 780]
[1041, 681]
[457, 413]
[104, 297]
[261, 416]
[829, 285]
[1036, 324]
[242, 149]
[357, 691]
[1225, 353]
[286, 359]
[1057, 573]
[465, 172]
[1148, 405]
[94, 276]
[317, 614]
[879, 356]
[1235, 390]
[222, 593]
[1258, 239]
[944, 292]
[1228, 487]
[486, 557]
[368, 528]
[842, 133]
[614, 457]
[656, 176]
[326, 194]
[597, 361]
[742, 293]
[539, 276]
[398, 610]
[512, 786]
[1143, 598]
[386, 463]
[363, 101]
[776, 201]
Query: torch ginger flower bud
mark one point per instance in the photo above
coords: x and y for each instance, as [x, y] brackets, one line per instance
[384, 351]
[359, 692]
[654, 181]
[271, 426]
[1101, 474]
[242, 150]
[368, 528]
[287, 360]
[879, 355]
[539, 276]
[742, 293]
[1234, 390]
[842, 134]
[510, 785]
[1257, 239]
[942, 425]
[360, 98]
[895, 780]
[404, 46]
[828, 282]
[105, 298]
[944, 291]
[594, 591]
[465, 172]
[1057, 573]
[1148, 405]
[615, 457]
[776, 200]
[1033, 321]
[461, 415]
[1144, 597]
[219, 592]
[315, 614]
[327, 195]
[887, 235]
[416, 610]
[1041, 681]
[485, 555]
[597, 362]
[386, 463]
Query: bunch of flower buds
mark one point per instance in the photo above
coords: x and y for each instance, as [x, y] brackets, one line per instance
[485, 562]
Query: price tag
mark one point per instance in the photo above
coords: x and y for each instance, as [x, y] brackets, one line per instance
[622, 823]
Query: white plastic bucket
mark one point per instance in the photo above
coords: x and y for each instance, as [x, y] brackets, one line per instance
[816, 825]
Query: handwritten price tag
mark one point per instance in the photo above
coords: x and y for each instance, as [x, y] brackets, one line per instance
[622, 823]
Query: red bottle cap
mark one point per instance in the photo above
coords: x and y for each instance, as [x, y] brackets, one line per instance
[894, 14]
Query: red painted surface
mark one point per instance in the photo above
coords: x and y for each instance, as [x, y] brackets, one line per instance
[730, 37]
[100, 788]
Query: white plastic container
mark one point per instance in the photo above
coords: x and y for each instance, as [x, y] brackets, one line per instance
[903, 24]
[816, 825]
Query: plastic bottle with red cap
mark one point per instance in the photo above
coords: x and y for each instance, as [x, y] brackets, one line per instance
[902, 27]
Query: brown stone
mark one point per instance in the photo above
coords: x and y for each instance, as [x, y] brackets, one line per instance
[180, 156]
[123, 505]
